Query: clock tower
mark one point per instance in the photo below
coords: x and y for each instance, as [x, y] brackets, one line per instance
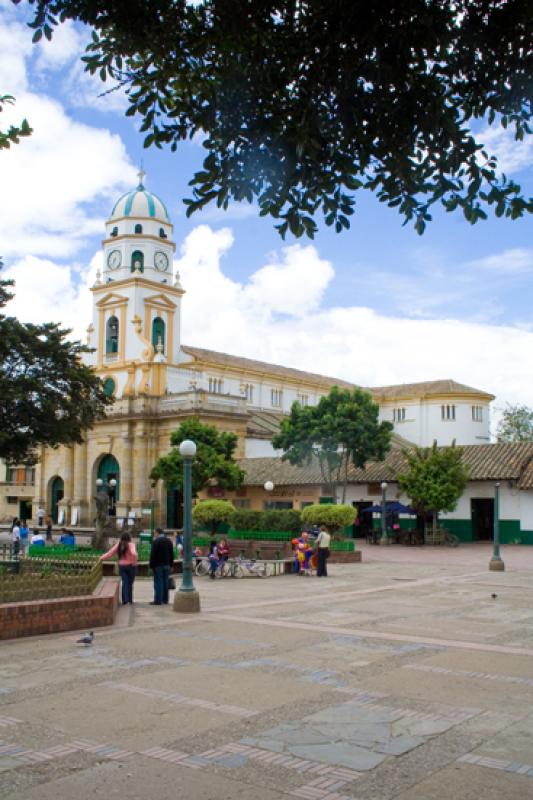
[136, 303]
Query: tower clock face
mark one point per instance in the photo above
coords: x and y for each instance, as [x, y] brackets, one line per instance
[161, 261]
[113, 260]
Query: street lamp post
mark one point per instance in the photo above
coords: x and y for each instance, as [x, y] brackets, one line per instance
[268, 486]
[384, 538]
[496, 564]
[107, 488]
[187, 599]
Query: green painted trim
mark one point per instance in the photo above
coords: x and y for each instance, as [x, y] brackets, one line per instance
[129, 203]
[462, 528]
[118, 201]
[151, 204]
[510, 531]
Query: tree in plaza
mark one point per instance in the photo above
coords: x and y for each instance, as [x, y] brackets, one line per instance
[302, 104]
[213, 461]
[516, 424]
[342, 430]
[434, 480]
[334, 517]
[47, 395]
[212, 512]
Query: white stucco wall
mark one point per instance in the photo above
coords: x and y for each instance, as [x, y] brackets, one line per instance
[260, 448]
[423, 422]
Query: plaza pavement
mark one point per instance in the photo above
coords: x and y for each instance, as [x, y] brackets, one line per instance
[401, 677]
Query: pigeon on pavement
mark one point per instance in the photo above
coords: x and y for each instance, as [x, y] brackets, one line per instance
[87, 639]
[494, 596]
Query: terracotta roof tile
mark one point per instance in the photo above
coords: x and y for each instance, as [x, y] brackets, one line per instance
[425, 388]
[486, 462]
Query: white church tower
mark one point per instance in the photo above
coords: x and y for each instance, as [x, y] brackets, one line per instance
[136, 305]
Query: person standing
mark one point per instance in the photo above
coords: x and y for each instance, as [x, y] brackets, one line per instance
[48, 528]
[15, 536]
[127, 565]
[322, 544]
[40, 516]
[161, 560]
[24, 536]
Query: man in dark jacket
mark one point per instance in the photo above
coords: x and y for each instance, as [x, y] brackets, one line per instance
[161, 559]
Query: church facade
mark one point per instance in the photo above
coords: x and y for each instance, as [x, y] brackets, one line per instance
[157, 382]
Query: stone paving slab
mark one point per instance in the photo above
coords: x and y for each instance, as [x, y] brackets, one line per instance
[286, 688]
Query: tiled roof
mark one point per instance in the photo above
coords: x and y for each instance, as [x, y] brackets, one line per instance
[486, 462]
[423, 389]
[240, 363]
[263, 424]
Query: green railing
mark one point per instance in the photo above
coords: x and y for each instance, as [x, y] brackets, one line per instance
[47, 579]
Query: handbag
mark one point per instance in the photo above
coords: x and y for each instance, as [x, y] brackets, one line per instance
[171, 583]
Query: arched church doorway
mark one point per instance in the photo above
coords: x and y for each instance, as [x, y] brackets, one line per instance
[109, 470]
[174, 508]
[57, 492]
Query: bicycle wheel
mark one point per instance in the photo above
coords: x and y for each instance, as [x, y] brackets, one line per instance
[202, 568]
[224, 569]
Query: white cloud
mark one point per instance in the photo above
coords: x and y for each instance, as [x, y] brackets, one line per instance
[512, 156]
[88, 91]
[67, 43]
[49, 292]
[515, 260]
[354, 343]
[294, 286]
[253, 319]
[53, 175]
[63, 178]
[15, 48]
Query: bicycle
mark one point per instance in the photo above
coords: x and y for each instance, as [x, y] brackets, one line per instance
[225, 569]
[258, 569]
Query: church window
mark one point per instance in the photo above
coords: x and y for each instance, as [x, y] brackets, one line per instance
[248, 391]
[216, 385]
[137, 261]
[109, 387]
[111, 338]
[477, 413]
[138, 228]
[447, 412]
[114, 231]
[398, 414]
[276, 397]
[162, 234]
[158, 333]
[303, 399]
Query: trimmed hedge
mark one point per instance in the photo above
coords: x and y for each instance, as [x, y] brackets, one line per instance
[282, 520]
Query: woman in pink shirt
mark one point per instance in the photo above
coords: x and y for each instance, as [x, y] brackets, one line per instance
[127, 565]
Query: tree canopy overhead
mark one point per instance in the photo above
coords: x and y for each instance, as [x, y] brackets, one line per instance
[304, 102]
[47, 395]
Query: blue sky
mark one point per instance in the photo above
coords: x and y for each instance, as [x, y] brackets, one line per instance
[377, 304]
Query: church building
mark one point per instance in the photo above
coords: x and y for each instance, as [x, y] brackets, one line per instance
[158, 381]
